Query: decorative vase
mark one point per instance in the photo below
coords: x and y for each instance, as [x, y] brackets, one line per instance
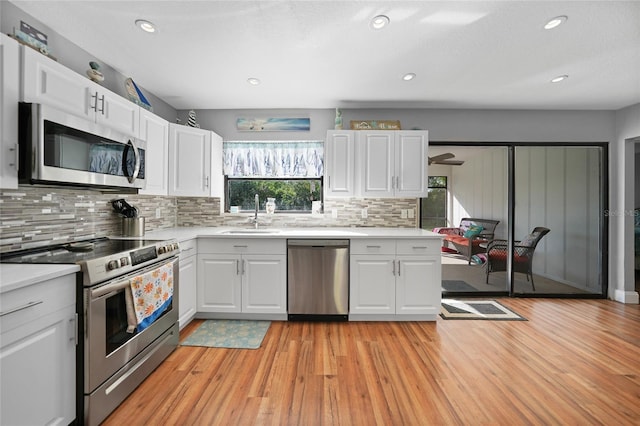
[338, 122]
[270, 206]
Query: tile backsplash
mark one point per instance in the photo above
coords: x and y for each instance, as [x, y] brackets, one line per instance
[32, 216]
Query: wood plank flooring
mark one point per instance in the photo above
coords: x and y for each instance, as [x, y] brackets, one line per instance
[575, 362]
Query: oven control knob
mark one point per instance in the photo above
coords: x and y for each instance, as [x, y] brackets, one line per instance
[162, 250]
[124, 261]
[113, 264]
[175, 246]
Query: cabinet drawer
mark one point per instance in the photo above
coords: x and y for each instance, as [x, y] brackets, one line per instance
[242, 245]
[373, 246]
[418, 247]
[30, 303]
[188, 248]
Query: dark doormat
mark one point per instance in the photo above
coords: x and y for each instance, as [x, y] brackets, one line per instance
[457, 285]
[478, 310]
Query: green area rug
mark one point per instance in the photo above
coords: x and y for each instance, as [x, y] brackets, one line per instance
[457, 285]
[478, 310]
[236, 334]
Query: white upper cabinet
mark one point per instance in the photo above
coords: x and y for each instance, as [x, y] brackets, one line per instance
[339, 163]
[47, 82]
[195, 162]
[155, 131]
[9, 96]
[411, 163]
[393, 163]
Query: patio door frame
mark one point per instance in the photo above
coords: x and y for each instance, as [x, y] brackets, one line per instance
[511, 174]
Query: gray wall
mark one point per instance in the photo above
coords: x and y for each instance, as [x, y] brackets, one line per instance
[77, 59]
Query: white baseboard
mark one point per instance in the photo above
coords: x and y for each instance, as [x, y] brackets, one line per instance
[630, 297]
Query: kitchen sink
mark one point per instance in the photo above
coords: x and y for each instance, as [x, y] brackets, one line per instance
[250, 231]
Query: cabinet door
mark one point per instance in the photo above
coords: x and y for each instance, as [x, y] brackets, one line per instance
[264, 284]
[155, 131]
[37, 366]
[418, 285]
[372, 285]
[187, 298]
[411, 164]
[339, 163]
[377, 163]
[9, 96]
[219, 285]
[189, 161]
[47, 82]
[117, 112]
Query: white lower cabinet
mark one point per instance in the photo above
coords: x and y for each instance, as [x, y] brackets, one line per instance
[398, 278]
[245, 276]
[187, 302]
[38, 353]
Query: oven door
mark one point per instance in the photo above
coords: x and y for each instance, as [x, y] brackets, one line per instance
[108, 346]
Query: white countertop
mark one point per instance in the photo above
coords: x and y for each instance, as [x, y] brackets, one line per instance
[187, 233]
[14, 276]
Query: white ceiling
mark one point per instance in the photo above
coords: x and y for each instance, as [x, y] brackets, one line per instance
[323, 54]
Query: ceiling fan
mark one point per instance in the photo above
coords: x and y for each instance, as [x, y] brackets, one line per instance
[444, 159]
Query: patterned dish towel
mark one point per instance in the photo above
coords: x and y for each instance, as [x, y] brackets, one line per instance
[148, 296]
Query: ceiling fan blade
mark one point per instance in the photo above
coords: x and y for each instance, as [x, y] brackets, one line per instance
[441, 157]
[451, 163]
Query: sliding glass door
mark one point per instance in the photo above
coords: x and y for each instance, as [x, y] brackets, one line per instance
[558, 194]
[548, 202]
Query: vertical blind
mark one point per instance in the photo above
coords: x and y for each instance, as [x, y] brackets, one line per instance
[269, 159]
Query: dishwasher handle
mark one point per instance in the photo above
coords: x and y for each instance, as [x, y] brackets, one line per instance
[318, 243]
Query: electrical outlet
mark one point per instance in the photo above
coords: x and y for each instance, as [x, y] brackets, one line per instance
[403, 214]
[364, 213]
[158, 213]
[410, 213]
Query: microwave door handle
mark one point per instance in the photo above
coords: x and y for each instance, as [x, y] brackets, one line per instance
[136, 167]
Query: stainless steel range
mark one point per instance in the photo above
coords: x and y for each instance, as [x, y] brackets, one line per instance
[127, 297]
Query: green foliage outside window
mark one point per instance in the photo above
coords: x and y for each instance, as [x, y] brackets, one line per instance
[293, 195]
[434, 207]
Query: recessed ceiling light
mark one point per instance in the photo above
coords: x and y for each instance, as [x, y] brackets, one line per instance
[555, 22]
[408, 76]
[379, 22]
[146, 25]
[253, 81]
[559, 78]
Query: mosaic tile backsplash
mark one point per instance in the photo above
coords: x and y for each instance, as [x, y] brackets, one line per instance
[33, 216]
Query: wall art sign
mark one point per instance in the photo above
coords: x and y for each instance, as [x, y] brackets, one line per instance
[273, 124]
[375, 125]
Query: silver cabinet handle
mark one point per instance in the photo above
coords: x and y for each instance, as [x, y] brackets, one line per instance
[20, 308]
[419, 247]
[101, 104]
[237, 267]
[394, 267]
[398, 268]
[206, 181]
[239, 246]
[187, 249]
[94, 104]
[374, 247]
[16, 156]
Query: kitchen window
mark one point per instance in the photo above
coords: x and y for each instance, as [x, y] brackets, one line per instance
[434, 207]
[289, 171]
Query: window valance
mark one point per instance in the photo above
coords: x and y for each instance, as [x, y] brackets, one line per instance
[279, 159]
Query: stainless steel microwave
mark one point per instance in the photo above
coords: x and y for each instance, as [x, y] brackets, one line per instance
[61, 149]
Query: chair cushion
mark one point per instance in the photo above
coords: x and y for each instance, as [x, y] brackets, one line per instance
[473, 231]
[530, 239]
[456, 239]
[502, 256]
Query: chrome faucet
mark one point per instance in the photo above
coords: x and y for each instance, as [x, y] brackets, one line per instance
[255, 217]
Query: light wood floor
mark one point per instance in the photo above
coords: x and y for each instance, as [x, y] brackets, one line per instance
[575, 362]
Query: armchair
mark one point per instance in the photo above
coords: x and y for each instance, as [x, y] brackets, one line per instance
[522, 256]
[464, 239]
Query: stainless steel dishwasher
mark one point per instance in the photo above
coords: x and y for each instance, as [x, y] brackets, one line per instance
[318, 279]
